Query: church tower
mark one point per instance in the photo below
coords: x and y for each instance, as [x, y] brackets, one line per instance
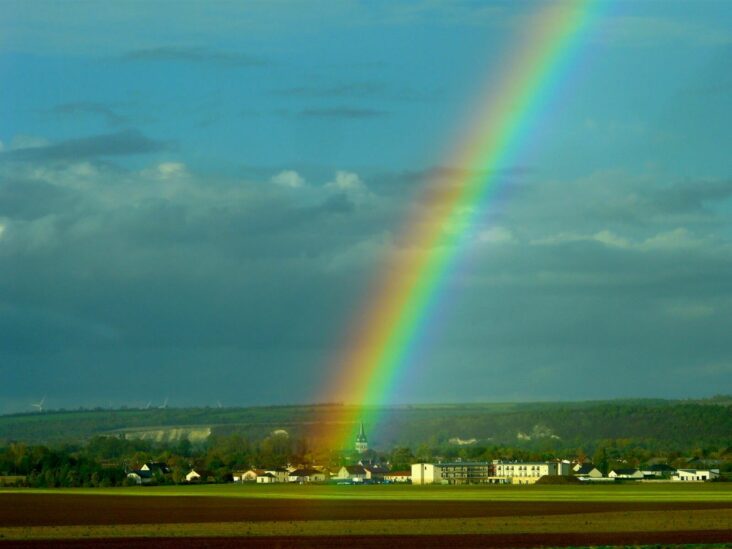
[362, 445]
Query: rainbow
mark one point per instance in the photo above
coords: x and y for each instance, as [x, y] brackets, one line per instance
[386, 332]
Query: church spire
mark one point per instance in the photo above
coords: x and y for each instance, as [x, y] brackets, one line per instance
[362, 444]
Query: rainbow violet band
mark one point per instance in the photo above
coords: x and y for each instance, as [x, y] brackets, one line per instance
[386, 331]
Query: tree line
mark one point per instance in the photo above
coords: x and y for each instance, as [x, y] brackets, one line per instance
[105, 460]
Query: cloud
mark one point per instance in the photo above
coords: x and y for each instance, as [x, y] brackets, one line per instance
[122, 143]
[90, 107]
[346, 182]
[167, 270]
[288, 178]
[691, 311]
[342, 112]
[167, 170]
[604, 237]
[676, 239]
[198, 55]
[646, 30]
[22, 141]
[497, 235]
[350, 89]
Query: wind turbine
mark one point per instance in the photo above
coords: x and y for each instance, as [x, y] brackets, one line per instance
[39, 405]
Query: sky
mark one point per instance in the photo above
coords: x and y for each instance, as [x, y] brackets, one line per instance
[195, 198]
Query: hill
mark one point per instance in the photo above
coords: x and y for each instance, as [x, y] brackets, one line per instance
[667, 424]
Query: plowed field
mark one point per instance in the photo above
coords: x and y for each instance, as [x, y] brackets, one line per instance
[401, 542]
[68, 520]
[64, 509]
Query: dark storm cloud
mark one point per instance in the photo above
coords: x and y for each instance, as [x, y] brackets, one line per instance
[352, 89]
[30, 199]
[338, 204]
[90, 108]
[689, 196]
[342, 112]
[174, 272]
[199, 55]
[122, 143]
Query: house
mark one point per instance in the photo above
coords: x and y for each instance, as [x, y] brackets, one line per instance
[266, 478]
[375, 473]
[628, 474]
[251, 475]
[156, 467]
[147, 473]
[695, 475]
[658, 470]
[140, 476]
[354, 473]
[587, 471]
[280, 474]
[398, 477]
[200, 475]
[306, 476]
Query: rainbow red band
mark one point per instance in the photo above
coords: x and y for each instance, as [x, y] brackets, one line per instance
[386, 332]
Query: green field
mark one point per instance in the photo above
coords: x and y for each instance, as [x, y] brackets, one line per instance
[667, 492]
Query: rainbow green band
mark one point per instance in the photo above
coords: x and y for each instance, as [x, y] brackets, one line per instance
[386, 335]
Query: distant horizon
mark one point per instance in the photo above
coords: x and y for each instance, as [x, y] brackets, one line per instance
[153, 407]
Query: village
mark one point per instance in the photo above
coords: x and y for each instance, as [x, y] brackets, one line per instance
[457, 472]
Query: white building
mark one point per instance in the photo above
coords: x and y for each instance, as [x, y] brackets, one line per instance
[306, 475]
[352, 473]
[629, 474]
[457, 472]
[266, 478]
[528, 472]
[199, 475]
[398, 477]
[280, 474]
[587, 471]
[695, 475]
[482, 472]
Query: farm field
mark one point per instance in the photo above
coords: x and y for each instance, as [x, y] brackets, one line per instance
[651, 491]
[395, 516]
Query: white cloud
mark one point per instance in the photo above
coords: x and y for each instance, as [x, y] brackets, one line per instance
[604, 237]
[346, 182]
[610, 239]
[288, 178]
[677, 239]
[497, 235]
[167, 170]
[690, 311]
[171, 169]
[28, 142]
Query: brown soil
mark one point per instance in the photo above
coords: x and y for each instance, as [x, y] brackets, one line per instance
[391, 542]
[65, 510]
[69, 509]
